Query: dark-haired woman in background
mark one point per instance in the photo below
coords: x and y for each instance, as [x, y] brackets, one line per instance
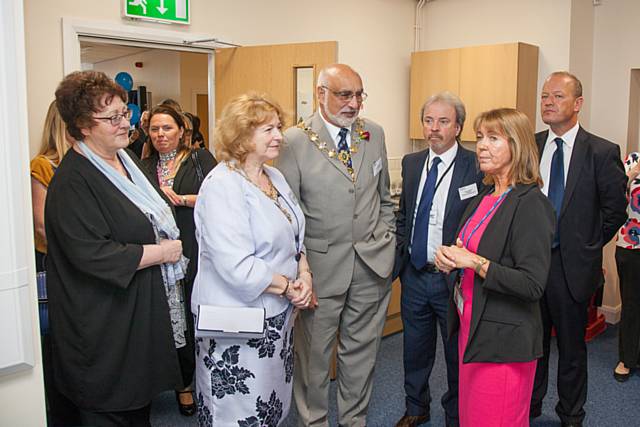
[197, 139]
[179, 171]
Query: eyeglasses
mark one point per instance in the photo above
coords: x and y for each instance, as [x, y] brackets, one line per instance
[116, 118]
[347, 95]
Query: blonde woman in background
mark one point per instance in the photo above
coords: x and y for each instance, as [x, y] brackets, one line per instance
[54, 145]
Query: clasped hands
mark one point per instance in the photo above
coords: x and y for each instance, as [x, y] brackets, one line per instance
[300, 292]
[455, 256]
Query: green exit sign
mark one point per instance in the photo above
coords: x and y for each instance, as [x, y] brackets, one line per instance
[171, 11]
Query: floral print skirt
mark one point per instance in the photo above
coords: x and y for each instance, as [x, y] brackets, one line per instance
[246, 382]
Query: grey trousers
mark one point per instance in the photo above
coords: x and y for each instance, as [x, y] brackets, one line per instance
[358, 315]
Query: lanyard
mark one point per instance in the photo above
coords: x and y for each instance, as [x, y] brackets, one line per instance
[297, 232]
[489, 212]
[443, 175]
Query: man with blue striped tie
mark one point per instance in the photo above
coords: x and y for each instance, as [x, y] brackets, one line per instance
[437, 185]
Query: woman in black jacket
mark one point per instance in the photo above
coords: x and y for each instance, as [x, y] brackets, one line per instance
[500, 262]
[179, 170]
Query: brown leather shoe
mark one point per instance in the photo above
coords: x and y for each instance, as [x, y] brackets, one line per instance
[412, 420]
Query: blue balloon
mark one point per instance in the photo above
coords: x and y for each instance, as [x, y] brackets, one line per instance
[125, 80]
[135, 113]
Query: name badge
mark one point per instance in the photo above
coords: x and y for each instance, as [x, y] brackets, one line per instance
[468, 191]
[377, 167]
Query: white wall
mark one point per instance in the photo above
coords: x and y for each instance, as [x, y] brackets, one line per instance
[543, 23]
[21, 392]
[374, 36]
[160, 72]
[617, 37]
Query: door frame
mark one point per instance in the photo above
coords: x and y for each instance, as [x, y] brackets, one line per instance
[133, 35]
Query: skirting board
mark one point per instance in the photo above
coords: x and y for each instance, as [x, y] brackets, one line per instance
[611, 314]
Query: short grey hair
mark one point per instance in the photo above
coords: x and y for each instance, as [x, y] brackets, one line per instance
[448, 98]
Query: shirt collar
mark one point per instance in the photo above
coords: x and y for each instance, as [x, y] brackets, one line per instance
[447, 157]
[332, 129]
[569, 136]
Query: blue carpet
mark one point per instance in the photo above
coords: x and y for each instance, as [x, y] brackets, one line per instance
[609, 404]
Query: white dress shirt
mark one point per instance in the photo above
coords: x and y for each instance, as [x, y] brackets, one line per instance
[439, 199]
[550, 147]
[335, 130]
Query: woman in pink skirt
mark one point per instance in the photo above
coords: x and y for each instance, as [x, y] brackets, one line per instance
[499, 268]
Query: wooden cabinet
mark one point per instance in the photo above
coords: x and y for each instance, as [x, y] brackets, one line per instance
[485, 77]
[393, 323]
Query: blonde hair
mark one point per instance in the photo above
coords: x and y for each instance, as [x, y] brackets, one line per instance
[516, 128]
[54, 144]
[238, 120]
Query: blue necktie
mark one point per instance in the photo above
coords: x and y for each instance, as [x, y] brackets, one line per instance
[556, 185]
[421, 228]
[342, 144]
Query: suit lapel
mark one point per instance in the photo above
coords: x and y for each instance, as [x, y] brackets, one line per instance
[177, 181]
[491, 246]
[414, 172]
[541, 140]
[317, 125]
[459, 169]
[578, 155]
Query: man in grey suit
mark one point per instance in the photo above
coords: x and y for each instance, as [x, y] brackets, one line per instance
[336, 165]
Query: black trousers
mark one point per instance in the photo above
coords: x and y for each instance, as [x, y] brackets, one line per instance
[133, 418]
[628, 263]
[187, 354]
[424, 305]
[569, 317]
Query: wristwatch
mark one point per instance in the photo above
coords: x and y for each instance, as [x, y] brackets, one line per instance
[479, 263]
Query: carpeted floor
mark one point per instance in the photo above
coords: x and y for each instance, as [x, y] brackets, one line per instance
[610, 404]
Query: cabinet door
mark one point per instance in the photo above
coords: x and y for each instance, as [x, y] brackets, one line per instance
[431, 72]
[270, 69]
[488, 79]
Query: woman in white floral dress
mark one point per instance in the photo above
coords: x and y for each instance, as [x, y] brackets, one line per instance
[250, 231]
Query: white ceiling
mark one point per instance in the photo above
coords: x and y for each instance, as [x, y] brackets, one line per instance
[94, 53]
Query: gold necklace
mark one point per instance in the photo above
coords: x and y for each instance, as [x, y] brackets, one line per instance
[344, 156]
[271, 192]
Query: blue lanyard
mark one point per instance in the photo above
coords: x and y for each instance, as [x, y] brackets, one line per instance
[493, 208]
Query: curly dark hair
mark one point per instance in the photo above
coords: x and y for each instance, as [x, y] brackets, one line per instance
[81, 94]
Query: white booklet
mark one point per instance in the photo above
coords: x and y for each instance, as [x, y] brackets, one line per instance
[228, 322]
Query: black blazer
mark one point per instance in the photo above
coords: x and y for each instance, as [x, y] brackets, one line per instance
[506, 323]
[185, 182]
[593, 209]
[465, 172]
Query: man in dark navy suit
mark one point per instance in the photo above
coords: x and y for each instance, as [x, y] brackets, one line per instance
[584, 179]
[437, 185]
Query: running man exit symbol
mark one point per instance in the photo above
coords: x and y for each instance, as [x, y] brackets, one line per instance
[171, 11]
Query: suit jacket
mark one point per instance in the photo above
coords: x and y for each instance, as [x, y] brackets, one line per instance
[343, 218]
[465, 172]
[506, 322]
[593, 209]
